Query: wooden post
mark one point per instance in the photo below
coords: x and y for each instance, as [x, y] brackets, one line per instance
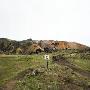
[47, 64]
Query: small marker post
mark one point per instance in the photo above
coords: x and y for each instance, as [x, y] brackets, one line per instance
[46, 57]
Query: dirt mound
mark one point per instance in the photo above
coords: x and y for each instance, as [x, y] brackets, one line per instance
[58, 58]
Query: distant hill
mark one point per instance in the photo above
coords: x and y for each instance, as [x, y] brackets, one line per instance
[8, 46]
[61, 44]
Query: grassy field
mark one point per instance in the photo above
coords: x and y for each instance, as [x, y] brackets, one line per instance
[29, 72]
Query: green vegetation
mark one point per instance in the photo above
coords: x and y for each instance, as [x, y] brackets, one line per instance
[83, 64]
[29, 72]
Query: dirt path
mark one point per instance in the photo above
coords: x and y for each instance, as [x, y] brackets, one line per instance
[10, 84]
[74, 68]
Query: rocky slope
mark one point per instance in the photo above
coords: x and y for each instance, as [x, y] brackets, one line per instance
[28, 46]
[61, 44]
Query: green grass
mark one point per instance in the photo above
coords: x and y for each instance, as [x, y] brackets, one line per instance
[81, 63]
[55, 78]
[10, 65]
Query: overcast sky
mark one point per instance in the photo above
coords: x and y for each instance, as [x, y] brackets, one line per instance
[67, 20]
